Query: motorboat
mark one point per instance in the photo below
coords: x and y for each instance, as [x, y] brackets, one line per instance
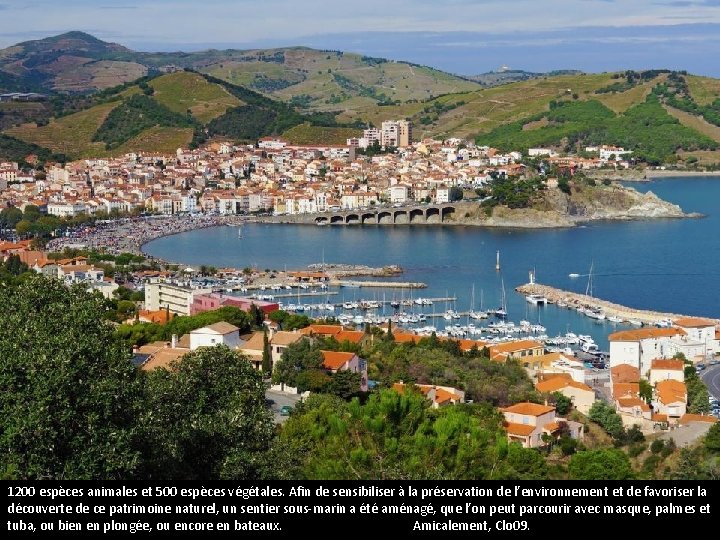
[614, 319]
[536, 299]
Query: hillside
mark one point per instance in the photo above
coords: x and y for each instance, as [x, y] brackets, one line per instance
[321, 80]
[169, 111]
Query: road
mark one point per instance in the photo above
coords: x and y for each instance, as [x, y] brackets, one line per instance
[711, 378]
[276, 400]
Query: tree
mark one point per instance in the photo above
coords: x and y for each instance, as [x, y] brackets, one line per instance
[205, 418]
[70, 394]
[607, 464]
[563, 404]
[256, 316]
[344, 384]
[646, 390]
[298, 357]
[9, 217]
[266, 358]
[455, 194]
[712, 439]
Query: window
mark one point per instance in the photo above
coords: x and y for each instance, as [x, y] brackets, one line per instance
[526, 420]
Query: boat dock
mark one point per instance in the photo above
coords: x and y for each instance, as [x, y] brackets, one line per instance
[387, 284]
[575, 300]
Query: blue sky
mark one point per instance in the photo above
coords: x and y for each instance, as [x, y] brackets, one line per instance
[464, 36]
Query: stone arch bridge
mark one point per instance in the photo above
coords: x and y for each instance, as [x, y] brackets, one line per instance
[405, 215]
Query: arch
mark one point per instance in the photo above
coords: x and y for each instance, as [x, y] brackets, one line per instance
[368, 218]
[321, 219]
[401, 216]
[337, 219]
[385, 218]
[446, 212]
[352, 219]
[432, 215]
[417, 215]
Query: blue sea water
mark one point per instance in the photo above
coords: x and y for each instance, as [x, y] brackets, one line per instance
[665, 265]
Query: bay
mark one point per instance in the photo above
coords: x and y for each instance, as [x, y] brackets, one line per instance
[668, 265]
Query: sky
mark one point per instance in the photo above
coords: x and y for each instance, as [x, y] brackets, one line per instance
[462, 36]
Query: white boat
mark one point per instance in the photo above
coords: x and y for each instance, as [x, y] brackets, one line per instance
[595, 314]
[573, 275]
[614, 319]
[635, 322]
[536, 299]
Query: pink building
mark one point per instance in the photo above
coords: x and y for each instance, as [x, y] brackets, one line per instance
[208, 302]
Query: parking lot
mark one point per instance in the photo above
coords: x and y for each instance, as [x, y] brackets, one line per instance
[277, 400]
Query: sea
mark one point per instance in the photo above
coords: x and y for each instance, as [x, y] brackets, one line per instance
[668, 265]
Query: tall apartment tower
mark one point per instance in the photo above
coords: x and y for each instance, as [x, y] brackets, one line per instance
[396, 133]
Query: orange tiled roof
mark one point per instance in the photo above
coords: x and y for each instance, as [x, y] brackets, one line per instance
[657, 417]
[623, 373]
[558, 383]
[689, 417]
[323, 329]
[551, 427]
[621, 390]
[671, 391]
[670, 364]
[158, 317]
[335, 359]
[633, 402]
[530, 409]
[514, 346]
[644, 333]
[522, 430]
[693, 322]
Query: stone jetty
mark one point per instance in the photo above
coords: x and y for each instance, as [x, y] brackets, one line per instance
[574, 300]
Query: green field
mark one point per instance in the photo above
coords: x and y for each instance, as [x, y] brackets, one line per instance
[184, 91]
[307, 134]
[156, 139]
[703, 89]
[71, 135]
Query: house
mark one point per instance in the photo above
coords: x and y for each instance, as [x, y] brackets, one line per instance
[641, 346]
[522, 350]
[633, 410]
[624, 373]
[252, 347]
[701, 331]
[335, 361]
[670, 398]
[439, 396]
[177, 299]
[556, 363]
[526, 423]
[212, 301]
[663, 369]
[281, 341]
[219, 333]
[145, 316]
[581, 395]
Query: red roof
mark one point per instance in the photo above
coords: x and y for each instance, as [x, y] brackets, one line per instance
[335, 360]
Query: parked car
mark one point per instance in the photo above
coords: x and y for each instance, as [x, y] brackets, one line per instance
[285, 410]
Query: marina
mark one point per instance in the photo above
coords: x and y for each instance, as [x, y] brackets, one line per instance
[662, 267]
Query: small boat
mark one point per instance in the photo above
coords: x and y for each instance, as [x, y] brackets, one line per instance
[635, 322]
[573, 275]
[395, 304]
[536, 299]
[595, 314]
[614, 319]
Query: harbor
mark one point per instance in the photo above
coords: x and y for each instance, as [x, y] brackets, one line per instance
[597, 308]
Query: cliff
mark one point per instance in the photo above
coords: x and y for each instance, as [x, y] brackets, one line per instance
[553, 208]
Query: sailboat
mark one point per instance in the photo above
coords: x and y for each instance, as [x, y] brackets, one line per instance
[501, 312]
[596, 314]
[240, 231]
[477, 315]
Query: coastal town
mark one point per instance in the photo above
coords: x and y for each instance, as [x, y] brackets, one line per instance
[225, 184]
[276, 178]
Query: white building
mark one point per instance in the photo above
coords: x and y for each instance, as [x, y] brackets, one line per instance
[667, 369]
[640, 347]
[220, 333]
[535, 152]
[65, 209]
[177, 299]
[613, 152]
[701, 331]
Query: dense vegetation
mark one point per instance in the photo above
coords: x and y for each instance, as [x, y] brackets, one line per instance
[646, 129]
[136, 114]
[676, 93]
[13, 149]
[205, 417]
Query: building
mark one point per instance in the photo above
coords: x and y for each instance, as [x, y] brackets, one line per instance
[439, 396]
[640, 347]
[581, 395]
[281, 341]
[522, 350]
[335, 361]
[663, 370]
[701, 331]
[670, 399]
[220, 333]
[396, 133]
[212, 301]
[526, 423]
[177, 299]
